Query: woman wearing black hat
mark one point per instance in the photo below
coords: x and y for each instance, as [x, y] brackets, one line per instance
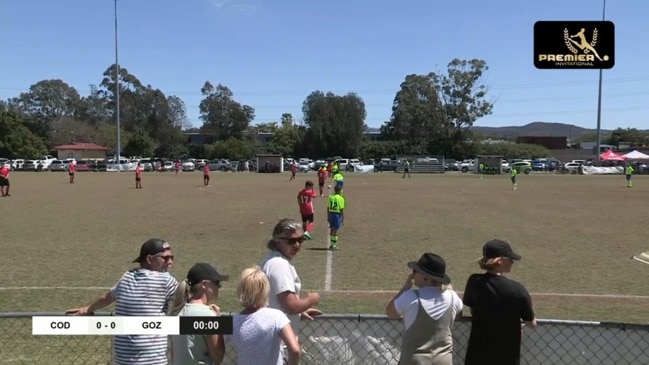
[498, 305]
[192, 299]
[428, 313]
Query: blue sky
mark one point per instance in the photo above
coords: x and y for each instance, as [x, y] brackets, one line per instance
[273, 53]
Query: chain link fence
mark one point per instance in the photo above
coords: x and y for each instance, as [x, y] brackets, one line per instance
[354, 340]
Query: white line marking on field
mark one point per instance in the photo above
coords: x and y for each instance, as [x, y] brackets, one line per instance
[567, 295]
[327, 283]
[330, 255]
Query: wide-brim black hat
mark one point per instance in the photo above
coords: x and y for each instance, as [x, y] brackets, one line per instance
[431, 265]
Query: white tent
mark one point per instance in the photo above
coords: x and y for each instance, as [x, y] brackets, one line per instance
[636, 155]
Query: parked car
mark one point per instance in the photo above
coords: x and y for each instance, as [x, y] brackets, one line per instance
[82, 165]
[387, 165]
[188, 166]
[58, 165]
[571, 167]
[522, 167]
[452, 165]
[30, 165]
[168, 166]
[220, 164]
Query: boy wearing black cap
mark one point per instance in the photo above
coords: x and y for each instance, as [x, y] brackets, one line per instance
[143, 291]
[498, 305]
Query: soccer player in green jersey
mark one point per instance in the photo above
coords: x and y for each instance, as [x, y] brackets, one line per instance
[339, 180]
[514, 173]
[335, 208]
[629, 173]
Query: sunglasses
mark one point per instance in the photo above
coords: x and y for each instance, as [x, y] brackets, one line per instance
[294, 240]
[165, 258]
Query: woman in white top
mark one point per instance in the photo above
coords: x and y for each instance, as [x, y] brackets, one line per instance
[258, 330]
[192, 297]
[428, 313]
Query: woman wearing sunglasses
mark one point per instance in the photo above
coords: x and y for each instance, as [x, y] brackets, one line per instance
[285, 283]
[192, 299]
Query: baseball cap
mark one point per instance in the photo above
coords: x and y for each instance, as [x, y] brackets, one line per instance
[499, 248]
[153, 246]
[204, 271]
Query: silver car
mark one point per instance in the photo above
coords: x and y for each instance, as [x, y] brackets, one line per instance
[58, 165]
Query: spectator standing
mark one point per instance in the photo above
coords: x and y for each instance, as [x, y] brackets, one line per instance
[498, 305]
[143, 291]
[192, 299]
[428, 313]
[258, 331]
[4, 179]
[285, 284]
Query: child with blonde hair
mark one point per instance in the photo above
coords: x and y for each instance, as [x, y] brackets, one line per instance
[258, 331]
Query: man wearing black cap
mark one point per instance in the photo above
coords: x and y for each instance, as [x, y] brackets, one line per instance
[498, 305]
[143, 291]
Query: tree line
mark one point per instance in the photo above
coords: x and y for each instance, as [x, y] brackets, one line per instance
[432, 114]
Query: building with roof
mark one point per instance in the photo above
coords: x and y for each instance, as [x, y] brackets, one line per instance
[81, 151]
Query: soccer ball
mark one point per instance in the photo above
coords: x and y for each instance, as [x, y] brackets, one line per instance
[329, 186]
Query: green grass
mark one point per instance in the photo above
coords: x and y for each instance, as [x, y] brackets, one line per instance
[576, 234]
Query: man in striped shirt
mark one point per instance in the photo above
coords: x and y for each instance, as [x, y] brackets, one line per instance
[143, 291]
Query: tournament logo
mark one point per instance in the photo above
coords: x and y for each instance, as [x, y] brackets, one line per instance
[574, 45]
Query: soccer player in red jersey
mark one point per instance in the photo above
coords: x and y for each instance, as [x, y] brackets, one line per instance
[322, 177]
[305, 201]
[206, 174]
[293, 170]
[4, 179]
[138, 176]
[71, 169]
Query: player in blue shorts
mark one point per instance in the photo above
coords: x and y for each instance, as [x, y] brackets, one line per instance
[335, 215]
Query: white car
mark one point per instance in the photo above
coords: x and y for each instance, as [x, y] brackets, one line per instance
[572, 167]
[188, 166]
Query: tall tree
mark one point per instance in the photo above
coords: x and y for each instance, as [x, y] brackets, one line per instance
[46, 101]
[439, 110]
[146, 109]
[222, 115]
[334, 124]
[16, 140]
[270, 127]
[463, 95]
[416, 112]
[69, 130]
[178, 113]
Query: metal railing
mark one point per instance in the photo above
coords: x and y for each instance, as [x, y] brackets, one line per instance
[356, 339]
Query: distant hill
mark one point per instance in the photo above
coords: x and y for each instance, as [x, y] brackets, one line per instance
[536, 129]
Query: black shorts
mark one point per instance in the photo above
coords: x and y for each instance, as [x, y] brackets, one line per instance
[321, 183]
[137, 179]
[514, 179]
[307, 217]
[3, 181]
[71, 173]
[407, 169]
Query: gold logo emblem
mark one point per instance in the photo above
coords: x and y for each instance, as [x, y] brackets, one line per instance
[583, 44]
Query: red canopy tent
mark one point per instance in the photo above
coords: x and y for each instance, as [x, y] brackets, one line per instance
[611, 156]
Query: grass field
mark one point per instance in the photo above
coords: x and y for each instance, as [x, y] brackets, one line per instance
[576, 235]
